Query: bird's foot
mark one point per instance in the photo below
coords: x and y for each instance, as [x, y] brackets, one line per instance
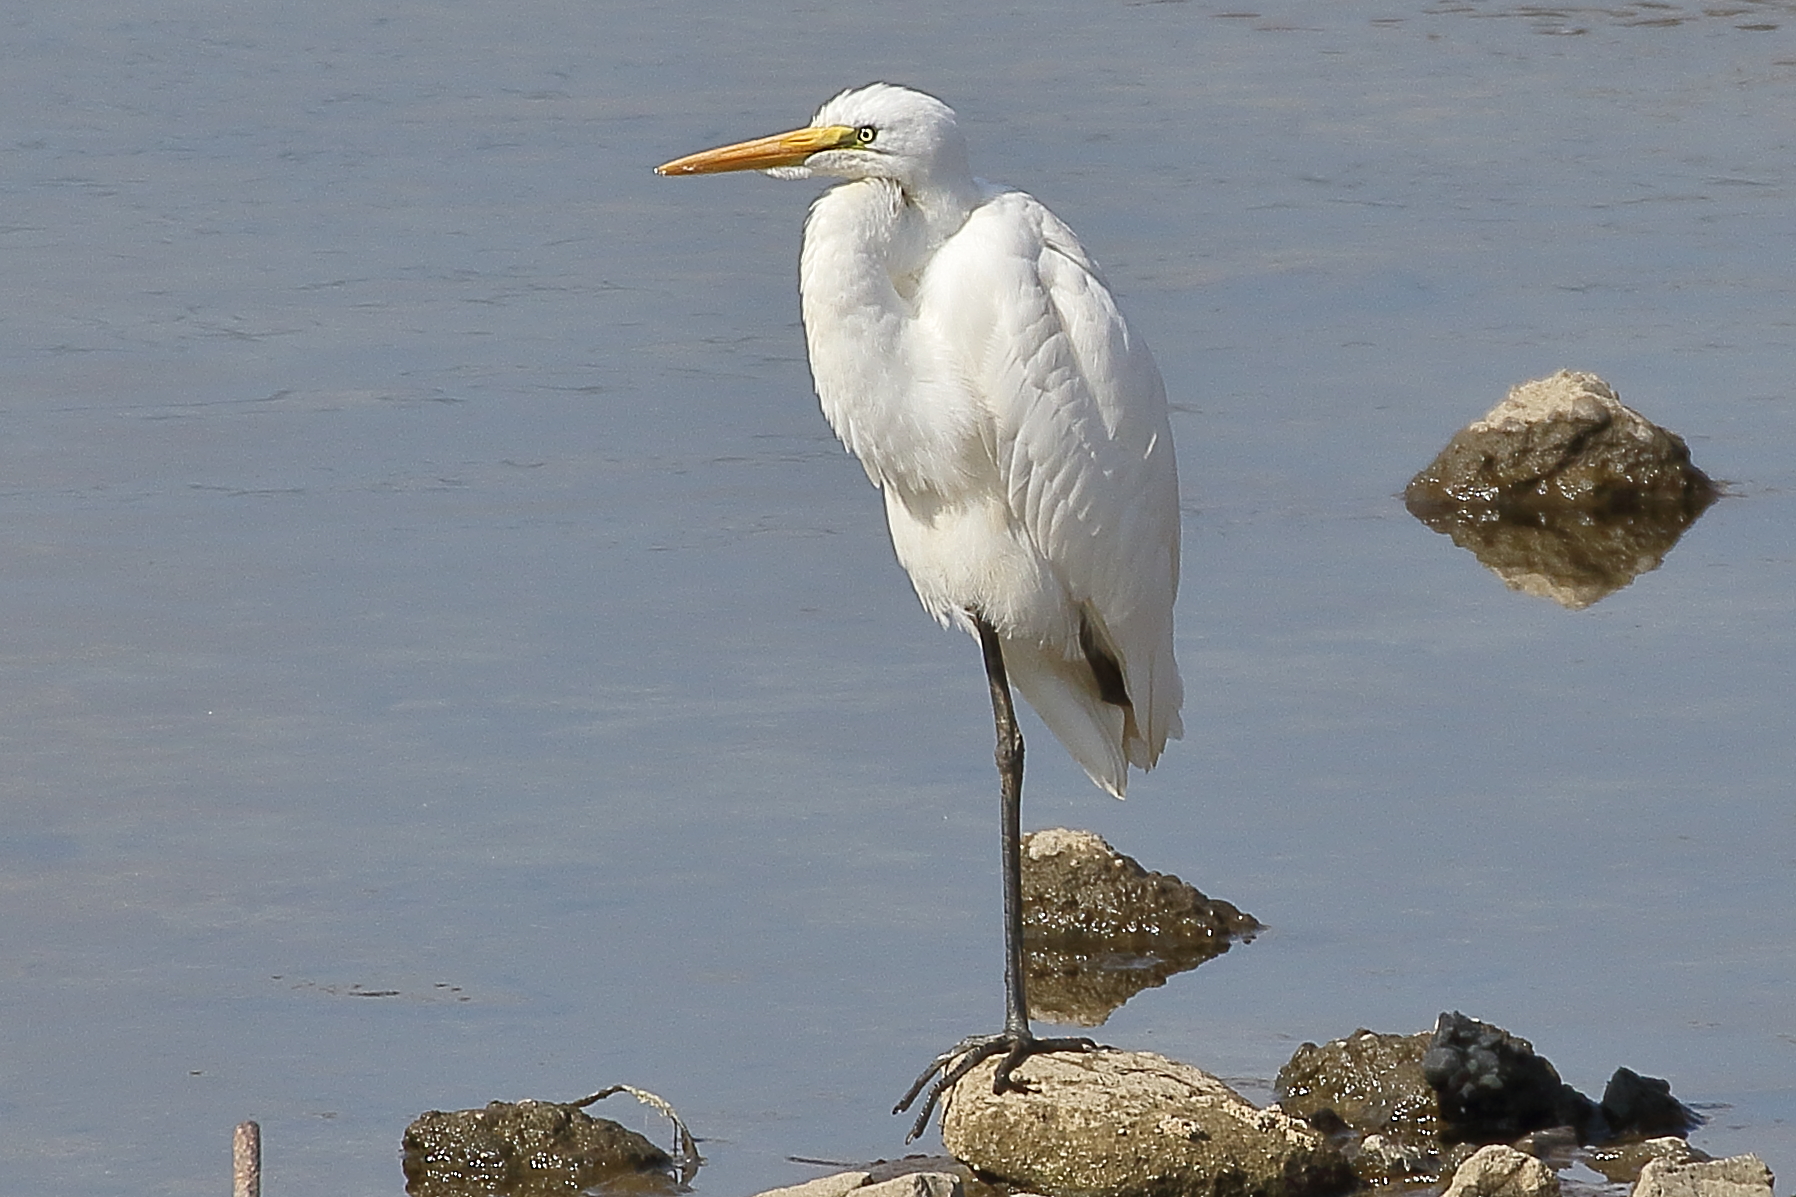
[948, 1068]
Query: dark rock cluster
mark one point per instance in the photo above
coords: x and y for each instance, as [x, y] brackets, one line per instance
[1412, 1107]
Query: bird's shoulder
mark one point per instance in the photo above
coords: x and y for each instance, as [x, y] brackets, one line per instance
[1014, 225]
[1034, 322]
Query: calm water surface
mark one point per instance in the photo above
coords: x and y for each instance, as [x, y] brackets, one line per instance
[424, 572]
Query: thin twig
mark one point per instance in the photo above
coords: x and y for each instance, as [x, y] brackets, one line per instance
[685, 1153]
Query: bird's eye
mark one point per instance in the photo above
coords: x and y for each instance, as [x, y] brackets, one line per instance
[865, 134]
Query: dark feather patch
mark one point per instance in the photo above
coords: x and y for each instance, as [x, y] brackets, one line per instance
[1103, 668]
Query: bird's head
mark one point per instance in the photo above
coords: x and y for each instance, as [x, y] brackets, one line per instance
[880, 131]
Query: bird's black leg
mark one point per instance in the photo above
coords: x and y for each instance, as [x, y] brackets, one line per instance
[1015, 1041]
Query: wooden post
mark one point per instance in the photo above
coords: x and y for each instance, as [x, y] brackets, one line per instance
[246, 1161]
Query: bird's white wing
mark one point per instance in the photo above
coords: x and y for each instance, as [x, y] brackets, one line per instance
[1080, 435]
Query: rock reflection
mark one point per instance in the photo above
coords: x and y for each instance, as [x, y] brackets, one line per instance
[1098, 928]
[1084, 984]
[1574, 558]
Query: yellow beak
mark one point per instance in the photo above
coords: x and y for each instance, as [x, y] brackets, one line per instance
[781, 149]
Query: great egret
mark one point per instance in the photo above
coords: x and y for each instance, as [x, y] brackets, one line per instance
[967, 351]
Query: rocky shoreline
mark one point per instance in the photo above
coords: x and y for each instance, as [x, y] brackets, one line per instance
[1463, 1109]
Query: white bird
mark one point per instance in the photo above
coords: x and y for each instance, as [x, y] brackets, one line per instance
[968, 352]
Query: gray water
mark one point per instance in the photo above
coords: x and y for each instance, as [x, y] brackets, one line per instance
[424, 572]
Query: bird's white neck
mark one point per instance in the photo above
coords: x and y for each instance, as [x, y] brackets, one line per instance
[866, 246]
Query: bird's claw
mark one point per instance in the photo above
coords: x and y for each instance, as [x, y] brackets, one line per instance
[948, 1068]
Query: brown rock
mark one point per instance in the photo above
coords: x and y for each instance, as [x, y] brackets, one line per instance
[915, 1184]
[914, 1176]
[1373, 1084]
[1736, 1176]
[1134, 1124]
[1074, 883]
[526, 1148]
[1564, 442]
[1622, 1163]
[1098, 928]
[1500, 1171]
[836, 1184]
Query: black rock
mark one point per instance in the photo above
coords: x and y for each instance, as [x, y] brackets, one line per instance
[1643, 1105]
[1493, 1088]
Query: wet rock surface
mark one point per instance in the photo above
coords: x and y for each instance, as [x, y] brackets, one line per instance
[1133, 1124]
[1623, 1163]
[528, 1149]
[1098, 927]
[1564, 442]
[1563, 491]
[1411, 1109]
[1371, 1087]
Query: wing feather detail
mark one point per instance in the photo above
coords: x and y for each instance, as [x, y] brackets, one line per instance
[1077, 416]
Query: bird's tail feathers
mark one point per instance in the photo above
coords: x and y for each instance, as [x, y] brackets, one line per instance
[1062, 693]
[1162, 694]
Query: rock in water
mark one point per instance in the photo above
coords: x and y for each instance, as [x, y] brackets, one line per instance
[837, 1184]
[525, 1149]
[1562, 491]
[1643, 1105]
[1371, 1084]
[1500, 1171]
[1405, 1109]
[1134, 1124]
[1492, 1087]
[1098, 928]
[1562, 443]
[917, 1184]
[1736, 1176]
[1074, 883]
[1622, 1163]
